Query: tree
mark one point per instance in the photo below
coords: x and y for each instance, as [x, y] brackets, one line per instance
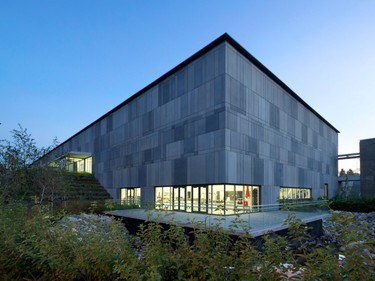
[350, 172]
[49, 184]
[16, 156]
[342, 173]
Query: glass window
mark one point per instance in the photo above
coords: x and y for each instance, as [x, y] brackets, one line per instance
[295, 193]
[188, 198]
[158, 198]
[131, 196]
[88, 165]
[176, 198]
[163, 198]
[179, 198]
[325, 194]
[217, 199]
[239, 197]
[229, 199]
[255, 195]
[182, 195]
[217, 203]
[167, 198]
[203, 199]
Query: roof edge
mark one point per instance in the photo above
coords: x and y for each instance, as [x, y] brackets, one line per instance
[223, 38]
[263, 68]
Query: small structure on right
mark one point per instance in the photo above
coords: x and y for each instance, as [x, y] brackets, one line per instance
[367, 151]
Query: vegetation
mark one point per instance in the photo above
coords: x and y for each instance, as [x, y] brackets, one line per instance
[18, 179]
[348, 173]
[22, 180]
[43, 246]
[38, 248]
[353, 204]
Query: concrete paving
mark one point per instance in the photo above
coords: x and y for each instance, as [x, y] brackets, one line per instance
[256, 224]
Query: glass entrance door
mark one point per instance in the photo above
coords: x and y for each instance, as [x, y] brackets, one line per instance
[199, 199]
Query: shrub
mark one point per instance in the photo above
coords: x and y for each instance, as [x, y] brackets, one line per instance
[42, 247]
[353, 204]
[38, 248]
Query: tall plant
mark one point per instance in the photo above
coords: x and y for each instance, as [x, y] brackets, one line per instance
[16, 156]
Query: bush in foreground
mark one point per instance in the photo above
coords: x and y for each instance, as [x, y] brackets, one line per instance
[42, 247]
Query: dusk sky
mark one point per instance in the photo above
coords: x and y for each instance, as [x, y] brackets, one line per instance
[63, 64]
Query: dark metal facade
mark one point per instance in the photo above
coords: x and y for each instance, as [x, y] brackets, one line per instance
[218, 117]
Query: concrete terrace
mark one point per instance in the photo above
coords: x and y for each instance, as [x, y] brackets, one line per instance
[259, 222]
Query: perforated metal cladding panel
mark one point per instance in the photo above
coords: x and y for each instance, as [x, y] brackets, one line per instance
[290, 145]
[171, 134]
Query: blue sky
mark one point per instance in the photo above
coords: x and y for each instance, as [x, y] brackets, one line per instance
[63, 64]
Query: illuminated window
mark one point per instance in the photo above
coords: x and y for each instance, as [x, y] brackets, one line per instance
[131, 196]
[163, 198]
[217, 199]
[79, 162]
[220, 199]
[295, 193]
[325, 194]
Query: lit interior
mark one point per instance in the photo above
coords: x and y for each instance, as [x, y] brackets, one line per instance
[131, 196]
[295, 194]
[78, 162]
[220, 199]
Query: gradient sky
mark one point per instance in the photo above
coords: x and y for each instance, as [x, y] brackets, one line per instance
[63, 64]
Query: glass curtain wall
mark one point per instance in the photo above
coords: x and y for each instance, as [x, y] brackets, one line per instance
[221, 199]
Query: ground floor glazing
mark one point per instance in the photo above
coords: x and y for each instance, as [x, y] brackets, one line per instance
[218, 199]
[223, 199]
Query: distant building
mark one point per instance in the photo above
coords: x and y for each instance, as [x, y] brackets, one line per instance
[217, 132]
[367, 151]
[349, 178]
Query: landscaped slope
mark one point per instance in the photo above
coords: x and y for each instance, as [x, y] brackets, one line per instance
[85, 187]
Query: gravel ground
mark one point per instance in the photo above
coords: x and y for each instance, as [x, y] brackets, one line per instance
[359, 226]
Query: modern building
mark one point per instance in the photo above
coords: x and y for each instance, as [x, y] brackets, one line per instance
[216, 134]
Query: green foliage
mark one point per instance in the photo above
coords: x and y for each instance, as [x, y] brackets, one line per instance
[40, 246]
[17, 180]
[112, 205]
[348, 173]
[23, 180]
[353, 204]
[354, 242]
